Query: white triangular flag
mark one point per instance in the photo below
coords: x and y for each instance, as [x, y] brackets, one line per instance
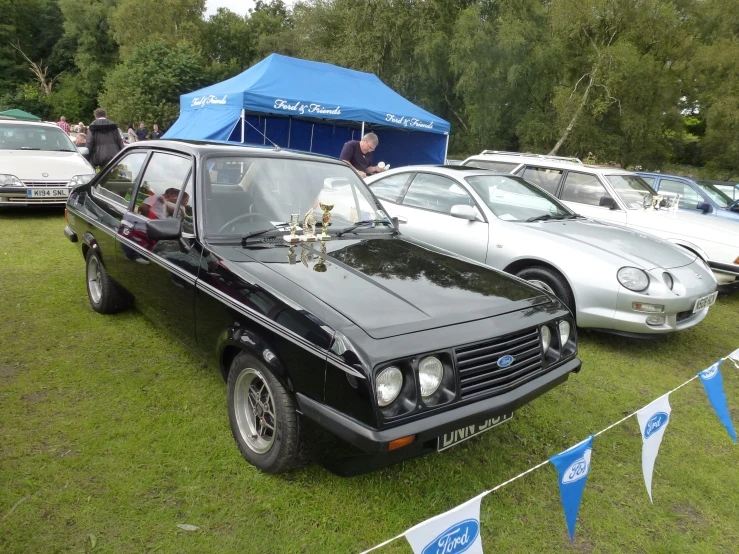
[653, 420]
[457, 530]
[734, 357]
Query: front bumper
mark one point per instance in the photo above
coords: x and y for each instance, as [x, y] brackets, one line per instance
[427, 430]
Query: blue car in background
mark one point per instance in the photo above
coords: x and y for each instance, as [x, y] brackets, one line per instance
[716, 198]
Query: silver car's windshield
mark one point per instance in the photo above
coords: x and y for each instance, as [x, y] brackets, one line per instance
[715, 194]
[513, 199]
[246, 195]
[633, 191]
[34, 137]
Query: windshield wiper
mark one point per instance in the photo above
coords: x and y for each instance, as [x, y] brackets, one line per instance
[28, 148]
[247, 236]
[362, 224]
[545, 217]
[574, 216]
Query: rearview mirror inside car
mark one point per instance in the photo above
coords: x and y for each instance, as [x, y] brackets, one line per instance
[463, 211]
[163, 229]
[607, 202]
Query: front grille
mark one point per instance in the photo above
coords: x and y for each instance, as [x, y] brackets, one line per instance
[46, 183]
[684, 316]
[26, 200]
[478, 368]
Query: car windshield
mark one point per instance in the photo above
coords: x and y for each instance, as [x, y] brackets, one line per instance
[513, 199]
[715, 194]
[34, 137]
[633, 191]
[245, 195]
[729, 189]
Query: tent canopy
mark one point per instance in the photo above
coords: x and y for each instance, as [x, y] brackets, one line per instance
[311, 106]
[20, 114]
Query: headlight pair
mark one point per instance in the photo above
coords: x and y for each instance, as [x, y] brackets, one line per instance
[389, 381]
[554, 352]
[563, 327]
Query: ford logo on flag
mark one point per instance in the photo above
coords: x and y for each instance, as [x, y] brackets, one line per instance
[577, 470]
[505, 361]
[655, 423]
[458, 538]
[710, 373]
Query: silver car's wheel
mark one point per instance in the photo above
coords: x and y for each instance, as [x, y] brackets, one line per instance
[542, 285]
[254, 408]
[551, 281]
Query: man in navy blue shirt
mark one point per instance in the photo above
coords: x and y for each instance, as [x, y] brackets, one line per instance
[358, 154]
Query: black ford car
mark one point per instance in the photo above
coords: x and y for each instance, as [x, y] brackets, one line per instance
[281, 270]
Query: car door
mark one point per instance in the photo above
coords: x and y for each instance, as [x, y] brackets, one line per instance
[586, 195]
[425, 214]
[689, 197]
[161, 274]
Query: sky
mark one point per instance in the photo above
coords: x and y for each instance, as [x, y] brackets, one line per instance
[237, 6]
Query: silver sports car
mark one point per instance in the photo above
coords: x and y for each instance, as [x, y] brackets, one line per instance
[612, 278]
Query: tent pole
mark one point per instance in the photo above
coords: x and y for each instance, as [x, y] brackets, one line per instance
[265, 131]
[311, 137]
[289, 130]
[446, 149]
[242, 125]
[362, 134]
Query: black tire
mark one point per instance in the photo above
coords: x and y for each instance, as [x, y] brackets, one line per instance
[273, 451]
[106, 296]
[552, 280]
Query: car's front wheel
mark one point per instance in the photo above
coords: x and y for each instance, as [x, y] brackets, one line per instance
[552, 282]
[264, 418]
[106, 296]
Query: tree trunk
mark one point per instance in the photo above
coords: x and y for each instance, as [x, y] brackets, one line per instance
[575, 117]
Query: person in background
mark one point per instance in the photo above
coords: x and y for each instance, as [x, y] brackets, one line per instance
[81, 138]
[358, 154]
[103, 139]
[63, 125]
[142, 132]
[131, 134]
[155, 132]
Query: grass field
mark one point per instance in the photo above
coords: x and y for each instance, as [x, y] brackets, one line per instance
[111, 436]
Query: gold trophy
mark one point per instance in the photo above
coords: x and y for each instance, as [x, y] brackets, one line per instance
[320, 266]
[292, 257]
[326, 207]
[293, 226]
[309, 227]
[305, 256]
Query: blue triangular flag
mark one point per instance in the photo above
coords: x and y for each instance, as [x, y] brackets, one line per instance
[713, 383]
[573, 467]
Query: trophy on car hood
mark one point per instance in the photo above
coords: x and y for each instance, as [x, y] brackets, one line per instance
[309, 227]
[326, 207]
[292, 237]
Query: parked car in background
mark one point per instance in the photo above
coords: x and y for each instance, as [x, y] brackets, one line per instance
[395, 347]
[610, 277]
[38, 164]
[617, 196]
[696, 195]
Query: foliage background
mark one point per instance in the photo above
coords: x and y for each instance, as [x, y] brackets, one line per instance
[646, 83]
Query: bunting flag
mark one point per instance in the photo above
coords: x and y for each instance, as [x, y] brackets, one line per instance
[734, 357]
[573, 467]
[452, 532]
[714, 385]
[653, 420]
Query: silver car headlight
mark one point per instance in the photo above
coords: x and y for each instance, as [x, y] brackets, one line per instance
[546, 338]
[388, 385]
[564, 332]
[10, 181]
[633, 278]
[430, 372]
[81, 179]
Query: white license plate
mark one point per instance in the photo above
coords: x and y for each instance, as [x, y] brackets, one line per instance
[48, 193]
[460, 435]
[704, 302]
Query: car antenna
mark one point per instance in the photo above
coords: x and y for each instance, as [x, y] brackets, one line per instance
[277, 148]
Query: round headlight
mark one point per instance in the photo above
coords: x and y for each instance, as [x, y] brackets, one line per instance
[430, 372]
[546, 338]
[633, 278]
[388, 385]
[564, 332]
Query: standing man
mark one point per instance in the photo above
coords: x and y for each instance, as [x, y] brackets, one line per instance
[104, 139]
[358, 154]
[142, 132]
[63, 125]
[156, 133]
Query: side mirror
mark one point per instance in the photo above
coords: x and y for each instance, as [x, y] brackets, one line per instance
[607, 202]
[463, 211]
[164, 229]
[705, 207]
[84, 151]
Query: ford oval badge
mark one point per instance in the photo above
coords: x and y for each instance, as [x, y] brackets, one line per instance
[455, 540]
[655, 423]
[579, 469]
[505, 361]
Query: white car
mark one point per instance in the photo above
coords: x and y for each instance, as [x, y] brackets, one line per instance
[617, 196]
[38, 164]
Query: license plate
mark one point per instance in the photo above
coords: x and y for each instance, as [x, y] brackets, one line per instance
[704, 302]
[48, 193]
[460, 435]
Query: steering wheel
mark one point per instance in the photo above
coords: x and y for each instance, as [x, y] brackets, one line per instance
[239, 218]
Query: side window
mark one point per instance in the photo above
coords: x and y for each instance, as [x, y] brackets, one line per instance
[158, 195]
[583, 188]
[688, 197]
[118, 184]
[648, 180]
[437, 193]
[548, 179]
[503, 167]
[390, 188]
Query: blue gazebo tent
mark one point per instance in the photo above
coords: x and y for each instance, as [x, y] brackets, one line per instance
[311, 106]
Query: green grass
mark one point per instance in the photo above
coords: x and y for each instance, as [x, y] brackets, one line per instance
[113, 435]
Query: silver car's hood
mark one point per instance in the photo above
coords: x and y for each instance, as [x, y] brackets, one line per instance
[644, 251]
[30, 165]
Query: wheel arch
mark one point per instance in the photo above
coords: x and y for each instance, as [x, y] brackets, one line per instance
[523, 263]
[238, 340]
[695, 249]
